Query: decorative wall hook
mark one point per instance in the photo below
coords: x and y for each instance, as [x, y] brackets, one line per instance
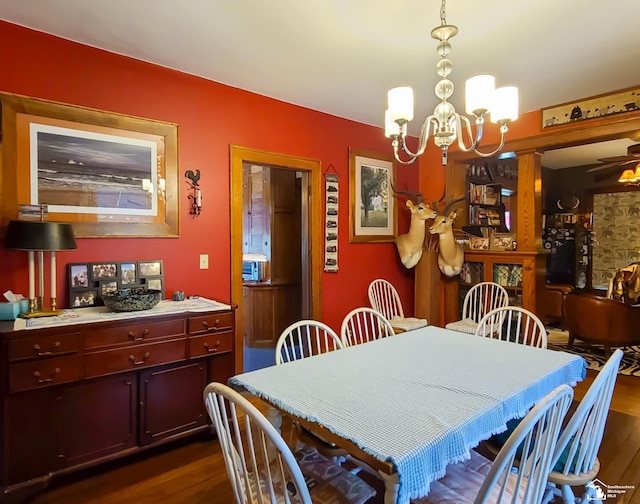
[196, 193]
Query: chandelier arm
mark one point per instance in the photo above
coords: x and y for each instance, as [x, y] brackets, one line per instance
[494, 152]
[464, 120]
[422, 143]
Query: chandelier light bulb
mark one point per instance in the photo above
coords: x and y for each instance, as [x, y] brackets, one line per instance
[479, 94]
[400, 103]
[505, 104]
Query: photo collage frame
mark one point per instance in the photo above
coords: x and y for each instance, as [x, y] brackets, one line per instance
[88, 282]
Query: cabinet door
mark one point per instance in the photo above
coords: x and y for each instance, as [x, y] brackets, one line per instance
[171, 400]
[256, 202]
[28, 436]
[94, 419]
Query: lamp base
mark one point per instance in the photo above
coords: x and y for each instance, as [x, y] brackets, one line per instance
[44, 313]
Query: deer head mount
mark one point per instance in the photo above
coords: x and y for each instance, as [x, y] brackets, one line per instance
[450, 252]
[411, 244]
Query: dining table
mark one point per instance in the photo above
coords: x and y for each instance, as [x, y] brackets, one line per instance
[412, 403]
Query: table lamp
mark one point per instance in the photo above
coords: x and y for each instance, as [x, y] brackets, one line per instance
[40, 237]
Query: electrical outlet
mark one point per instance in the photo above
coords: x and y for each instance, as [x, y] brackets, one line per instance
[204, 261]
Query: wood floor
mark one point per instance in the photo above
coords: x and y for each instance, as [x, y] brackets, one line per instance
[194, 473]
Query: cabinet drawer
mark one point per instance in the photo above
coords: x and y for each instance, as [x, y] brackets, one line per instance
[138, 356]
[39, 346]
[210, 344]
[44, 373]
[133, 333]
[210, 323]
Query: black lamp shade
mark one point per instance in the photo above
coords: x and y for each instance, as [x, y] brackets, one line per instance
[38, 235]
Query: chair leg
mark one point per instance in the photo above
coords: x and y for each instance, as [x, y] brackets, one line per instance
[570, 342]
[567, 495]
[607, 351]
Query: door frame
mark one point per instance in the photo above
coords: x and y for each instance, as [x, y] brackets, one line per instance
[238, 156]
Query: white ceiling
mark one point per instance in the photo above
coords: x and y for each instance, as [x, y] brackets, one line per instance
[341, 56]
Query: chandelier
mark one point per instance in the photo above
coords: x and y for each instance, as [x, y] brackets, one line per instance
[446, 125]
[630, 177]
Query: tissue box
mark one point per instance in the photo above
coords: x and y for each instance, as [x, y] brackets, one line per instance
[9, 311]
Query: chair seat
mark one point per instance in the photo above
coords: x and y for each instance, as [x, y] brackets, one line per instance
[462, 483]
[407, 323]
[467, 326]
[328, 483]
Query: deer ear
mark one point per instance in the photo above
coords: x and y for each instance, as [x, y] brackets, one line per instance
[452, 215]
[409, 204]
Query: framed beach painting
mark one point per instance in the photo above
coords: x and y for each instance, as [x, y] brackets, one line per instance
[372, 209]
[107, 174]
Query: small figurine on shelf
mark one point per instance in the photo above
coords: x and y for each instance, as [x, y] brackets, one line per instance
[196, 193]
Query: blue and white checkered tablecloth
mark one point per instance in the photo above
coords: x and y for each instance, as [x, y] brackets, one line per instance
[420, 399]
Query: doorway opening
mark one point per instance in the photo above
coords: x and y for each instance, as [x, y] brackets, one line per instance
[276, 217]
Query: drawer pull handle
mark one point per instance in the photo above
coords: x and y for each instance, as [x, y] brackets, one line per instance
[36, 375]
[206, 324]
[133, 335]
[214, 349]
[133, 360]
[36, 349]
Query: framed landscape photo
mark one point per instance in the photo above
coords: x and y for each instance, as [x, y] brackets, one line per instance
[372, 209]
[105, 173]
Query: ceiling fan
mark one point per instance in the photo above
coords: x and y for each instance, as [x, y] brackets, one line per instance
[632, 158]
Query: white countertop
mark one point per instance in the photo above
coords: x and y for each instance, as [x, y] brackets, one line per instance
[103, 314]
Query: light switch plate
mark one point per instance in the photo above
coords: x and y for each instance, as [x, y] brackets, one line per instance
[204, 261]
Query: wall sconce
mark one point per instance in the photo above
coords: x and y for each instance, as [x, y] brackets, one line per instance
[196, 193]
[40, 237]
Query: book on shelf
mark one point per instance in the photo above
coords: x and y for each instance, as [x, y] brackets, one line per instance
[484, 194]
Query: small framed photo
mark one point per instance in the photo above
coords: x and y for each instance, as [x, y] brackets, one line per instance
[149, 268]
[84, 298]
[79, 276]
[154, 284]
[102, 271]
[128, 274]
[502, 241]
[108, 288]
[478, 243]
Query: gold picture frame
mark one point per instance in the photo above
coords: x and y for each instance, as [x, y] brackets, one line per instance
[77, 161]
[372, 208]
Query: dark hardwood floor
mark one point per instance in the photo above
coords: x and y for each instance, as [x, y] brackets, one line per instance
[194, 472]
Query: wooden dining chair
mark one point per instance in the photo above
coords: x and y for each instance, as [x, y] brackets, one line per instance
[261, 466]
[515, 324]
[575, 460]
[478, 301]
[384, 298]
[305, 338]
[480, 481]
[362, 325]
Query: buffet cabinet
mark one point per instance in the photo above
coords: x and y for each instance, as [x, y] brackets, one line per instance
[80, 394]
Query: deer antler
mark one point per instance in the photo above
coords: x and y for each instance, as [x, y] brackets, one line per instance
[416, 197]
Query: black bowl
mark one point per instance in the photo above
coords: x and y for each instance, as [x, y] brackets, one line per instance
[135, 299]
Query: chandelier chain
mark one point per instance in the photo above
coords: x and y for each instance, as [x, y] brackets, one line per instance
[443, 13]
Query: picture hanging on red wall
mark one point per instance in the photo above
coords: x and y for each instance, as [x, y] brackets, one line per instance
[107, 174]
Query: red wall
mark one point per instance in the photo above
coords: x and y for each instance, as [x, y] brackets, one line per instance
[210, 116]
